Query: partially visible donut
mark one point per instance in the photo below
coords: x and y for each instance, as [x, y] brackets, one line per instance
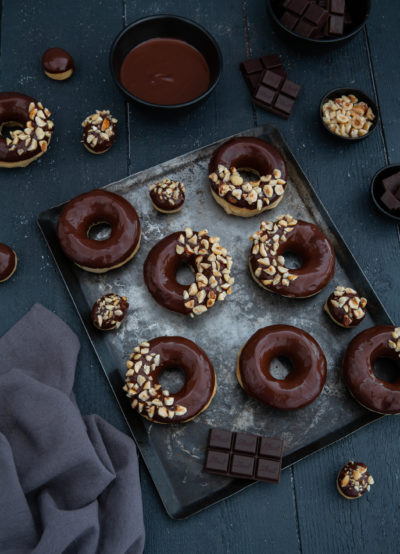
[303, 384]
[167, 196]
[27, 144]
[149, 360]
[247, 198]
[377, 395]
[286, 234]
[204, 255]
[90, 209]
[8, 262]
[345, 307]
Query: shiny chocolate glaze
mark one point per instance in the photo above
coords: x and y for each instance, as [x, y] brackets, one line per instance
[109, 311]
[167, 195]
[89, 209]
[36, 128]
[169, 353]
[370, 391]
[165, 71]
[303, 384]
[57, 60]
[8, 259]
[317, 256]
[354, 480]
[247, 153]
[99, 131]
[350, 317]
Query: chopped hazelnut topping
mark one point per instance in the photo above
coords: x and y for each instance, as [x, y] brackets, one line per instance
[347, 117]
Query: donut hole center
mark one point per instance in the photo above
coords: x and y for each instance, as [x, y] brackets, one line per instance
[8, 127]
[280, 367]
[386, 369]
[184, 275]
[248, 175]
[100, 231]
[172, 379]
[292, 260]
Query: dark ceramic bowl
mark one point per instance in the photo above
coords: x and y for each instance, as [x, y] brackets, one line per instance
[336, 93]
[359, 11]
[157, 26]
[376, 190]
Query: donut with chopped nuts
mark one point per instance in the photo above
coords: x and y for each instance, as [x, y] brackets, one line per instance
[99, 131]
[353, 480]
[301, 387]
[286, 234]
[238, 196]
[57, 64]
[27, 144]
[149, 360]
[109, 311]
[8, 262]
[377, 395]
[208, 260]
[167, 196]
[345, 307]
[88, 210]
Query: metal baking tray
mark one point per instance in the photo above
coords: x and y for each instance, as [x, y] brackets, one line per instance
[174, 454]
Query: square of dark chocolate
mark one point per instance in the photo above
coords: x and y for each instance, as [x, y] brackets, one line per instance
[336, 25]
[271, 448]
[242, 465]
[268, 470]
[392, 182]
[337, 6]
[271, 61]
[245, 443]
[253, 80]
[284, 104]
[217, 461]
[290, 88]
[390, 201]
[304, 28]
[219, 438]
[271, 79]
[251, 66]
[289, 20]
[297, 6]
[264, 95]
[317, 15]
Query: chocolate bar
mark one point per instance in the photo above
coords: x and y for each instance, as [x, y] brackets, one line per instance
[254, 68]
[276, 93]
[390, 201]
[304, 17]
[392, 184]
[244, 456]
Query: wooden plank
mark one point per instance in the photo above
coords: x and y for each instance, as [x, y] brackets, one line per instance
[248, 521]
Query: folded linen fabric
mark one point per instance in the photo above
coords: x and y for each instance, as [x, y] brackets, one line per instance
[68, 484]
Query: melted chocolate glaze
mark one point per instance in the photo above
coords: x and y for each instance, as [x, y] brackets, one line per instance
[165, 201]
[304, 383]
[89, 209]
[339, 314]
[370, 391]
[249, 153]
[7, 261]
[318, 261]
[109, 311]
[57, 60]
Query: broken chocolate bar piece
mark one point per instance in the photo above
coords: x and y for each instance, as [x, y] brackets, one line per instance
[244, 455]
[337, 6]
[390, 201]
[304, 17]
[336, 25]
[392, 184]
[276, 93]
[253, 69]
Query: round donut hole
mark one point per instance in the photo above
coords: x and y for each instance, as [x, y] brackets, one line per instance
[387, 370]
[184, 275]
[292, 260]
[100, 231]
[280, 367]
[172, 379]
[8, 127]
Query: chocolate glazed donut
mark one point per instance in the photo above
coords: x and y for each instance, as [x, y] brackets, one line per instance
[358, 369]
[253, 155]
[301, 386]
[145, 366]
[90, 209]
[8, 262]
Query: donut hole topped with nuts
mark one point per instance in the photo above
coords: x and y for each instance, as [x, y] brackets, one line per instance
[346, 307]
[354, 480]
[99, 131]
[167, 195]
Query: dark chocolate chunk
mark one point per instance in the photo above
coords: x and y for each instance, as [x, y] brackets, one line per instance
[253, 69]
[305, 18]
[336, 25]
[392, 183]
[297, 6]
[244, 455]
[390, 201]
[289, 20]
[337, 6]
[276, 93]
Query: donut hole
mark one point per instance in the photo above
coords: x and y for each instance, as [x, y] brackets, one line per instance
[8, 127]
[172, 379]
[100, 231]
[293, 260]
[280, 367]
[248, 174]
[386, 369]
[184, 275]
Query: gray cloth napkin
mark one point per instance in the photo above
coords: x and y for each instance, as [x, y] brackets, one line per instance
[67, 483]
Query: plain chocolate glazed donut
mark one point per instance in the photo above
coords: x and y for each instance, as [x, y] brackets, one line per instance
[303, 384]
[90, 209]
[145, 366]
[358, 369]
[256, 156]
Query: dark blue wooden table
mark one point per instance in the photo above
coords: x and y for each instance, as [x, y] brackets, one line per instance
[304, 513]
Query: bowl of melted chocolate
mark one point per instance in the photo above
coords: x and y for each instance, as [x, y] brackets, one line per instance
[165, 61]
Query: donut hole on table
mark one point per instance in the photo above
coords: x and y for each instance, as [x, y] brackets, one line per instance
[280, 367]
[293, 260]
[100, 231]
[387, 369]
[172, 379]
[184, 274]
[7, 127]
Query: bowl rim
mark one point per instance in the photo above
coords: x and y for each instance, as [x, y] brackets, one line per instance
[355, 91]
[310, 40]
[180, 19]
[372, 192]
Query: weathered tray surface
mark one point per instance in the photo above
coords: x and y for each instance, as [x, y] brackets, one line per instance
[174, 453]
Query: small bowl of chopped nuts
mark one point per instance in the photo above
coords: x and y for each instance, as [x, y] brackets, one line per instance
[348, 114]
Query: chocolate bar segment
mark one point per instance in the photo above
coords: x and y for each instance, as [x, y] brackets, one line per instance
[390, 201]
[254, 68]
[244, 455]
[304, 17]
[276, 93]
[392, 184]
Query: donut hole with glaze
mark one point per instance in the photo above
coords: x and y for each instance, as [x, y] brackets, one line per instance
[387, 369]
[172, 379]
[7, 127]
[100, 231]
[184, 274]
[280, 367]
